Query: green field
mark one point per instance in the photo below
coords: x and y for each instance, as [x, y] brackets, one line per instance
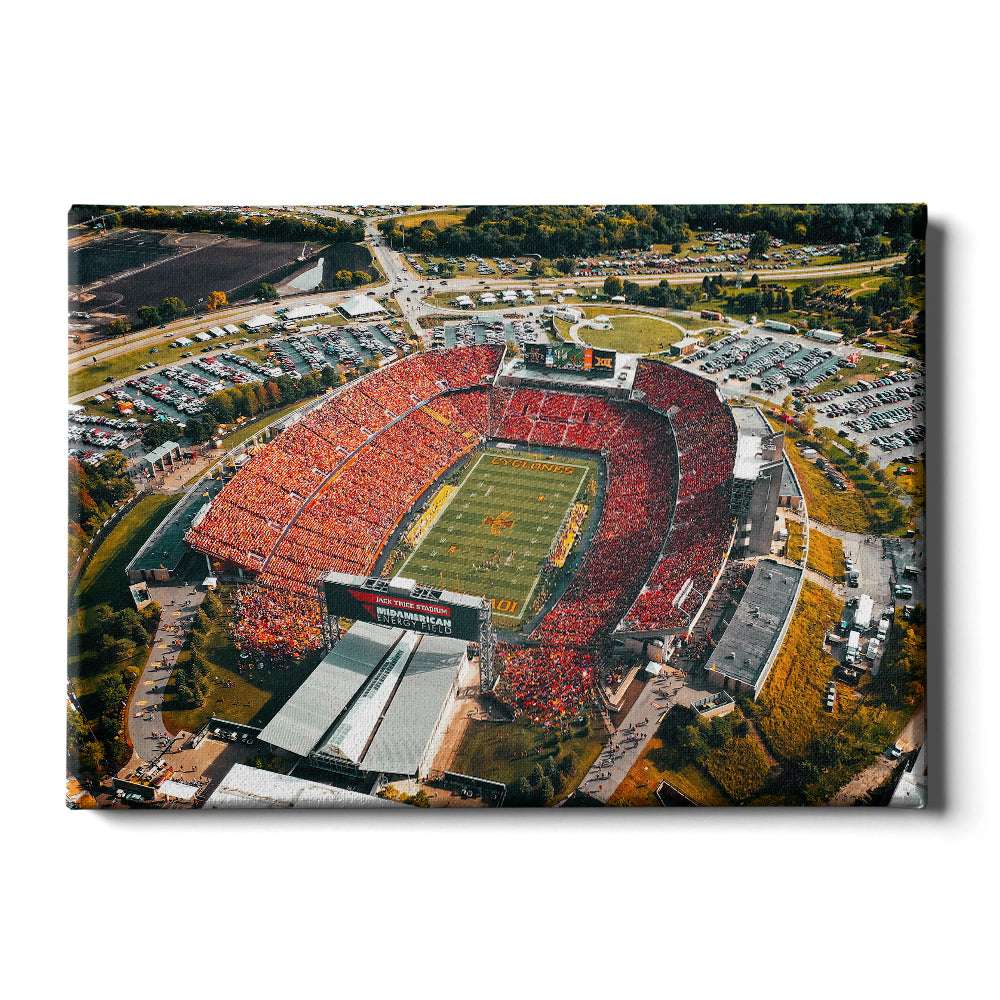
[467, 551]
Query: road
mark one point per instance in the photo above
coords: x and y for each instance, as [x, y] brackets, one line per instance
[145, 721]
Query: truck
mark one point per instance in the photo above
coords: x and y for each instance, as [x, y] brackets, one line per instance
[871, 650]
[710, 314]
[853, 641]
[904, 591]
[853, 577]
[773, 324]
[911, 571]
[883, 629]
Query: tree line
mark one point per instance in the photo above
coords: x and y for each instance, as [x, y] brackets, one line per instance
[94, 491]
[114, 636]
[275, 229]
[566, 230]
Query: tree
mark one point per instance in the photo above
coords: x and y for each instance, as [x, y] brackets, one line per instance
[118, 328]
[799, 297]
[220, 405]
[193, 430]
[520, 791]
[202, 622]
[159, 432]
[344, 279]
[171, 307]
[612, 286]
[566, 265]
[265, 290]
[760, 242]
[537, 269]
[567, 764]
[548, 766]
[363, 277]
[91, 755]
[216, 300]
[754, 280]
[676, 249]
[545, 790]
[148, 315]
[536, 775]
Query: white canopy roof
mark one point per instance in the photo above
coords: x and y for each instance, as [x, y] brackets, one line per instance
[361, 305]
[256, 322]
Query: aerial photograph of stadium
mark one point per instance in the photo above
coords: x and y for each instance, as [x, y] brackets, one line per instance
[496, 506]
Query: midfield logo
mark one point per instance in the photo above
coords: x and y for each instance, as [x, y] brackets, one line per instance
[499, 523]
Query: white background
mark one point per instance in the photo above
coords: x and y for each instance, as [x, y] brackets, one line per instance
[457, 103]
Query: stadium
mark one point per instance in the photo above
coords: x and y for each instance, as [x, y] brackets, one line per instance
[582, 511]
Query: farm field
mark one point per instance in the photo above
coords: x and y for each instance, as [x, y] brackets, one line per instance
[496, 532]
[225, 265]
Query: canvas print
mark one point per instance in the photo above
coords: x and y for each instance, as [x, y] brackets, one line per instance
[496, 506]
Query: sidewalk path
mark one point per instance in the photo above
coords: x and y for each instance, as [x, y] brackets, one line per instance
[179, 605]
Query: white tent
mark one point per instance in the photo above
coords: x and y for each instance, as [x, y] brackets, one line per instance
[256, 322]
[617, 298]
[488, 297]
[233, 331]
[510, 296]
[360, 305]
[203, 336]
[569, 291]
[306, 311]
[217, 331]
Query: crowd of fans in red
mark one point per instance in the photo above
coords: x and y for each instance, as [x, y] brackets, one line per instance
[703, 521]
[549, 685]
[327, 493]
[271, 625]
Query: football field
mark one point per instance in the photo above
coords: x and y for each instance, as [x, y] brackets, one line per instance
[494, 535]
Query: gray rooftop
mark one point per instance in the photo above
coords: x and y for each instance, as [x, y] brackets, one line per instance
[167, 448]
[750, 420]
[789, 481]
[165, 548]
[307, 716]
[749, 639]
[409, 723]
[252, 788]
[374, 702]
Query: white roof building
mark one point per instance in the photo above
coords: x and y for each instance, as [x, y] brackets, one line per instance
[488, 298]
[203, 336]
[217, 331]
[246, 787]
[256, 322]
[360, 305]
[510, 296]
[306, 311]
[233, 331]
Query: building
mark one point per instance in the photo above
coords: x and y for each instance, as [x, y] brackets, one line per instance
[203, 336]
[246, 787]
[308, 310]
[231, 330]
[758, 476]
[744, 655]
[164, 552]
[217, 332]
[464, 302]
[686, 346]
[374, 705]
[259, 322]
[360, 305]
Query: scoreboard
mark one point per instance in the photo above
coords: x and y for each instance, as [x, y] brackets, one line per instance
[402, 604]
[591, 361]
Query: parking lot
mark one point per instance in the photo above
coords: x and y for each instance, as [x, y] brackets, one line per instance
[178, 391]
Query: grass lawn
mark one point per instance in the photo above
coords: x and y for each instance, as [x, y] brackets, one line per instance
[791, 706]
[635, 334]
[851, 510]
[468, 551]
[662, 763]
[826, 555]
[124, 365]
[509, 750]
[914, 484]
[442, 216]
[796, 541]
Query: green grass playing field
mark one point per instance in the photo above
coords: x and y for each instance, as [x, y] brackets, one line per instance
[495, 534]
